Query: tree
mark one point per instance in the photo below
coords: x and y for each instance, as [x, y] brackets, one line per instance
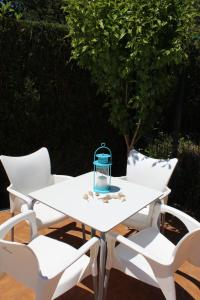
[131, 49]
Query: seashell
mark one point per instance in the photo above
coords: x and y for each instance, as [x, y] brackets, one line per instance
[115, 196]
[85, 196]
[105, 198]
[97, 194]
[90, 193]
[121, 195]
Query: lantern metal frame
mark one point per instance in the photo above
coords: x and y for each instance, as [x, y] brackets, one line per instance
[102, 161]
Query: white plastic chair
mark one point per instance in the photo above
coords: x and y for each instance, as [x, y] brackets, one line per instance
[152, 173]
[27, 174]
[150, 257]
[48, 266]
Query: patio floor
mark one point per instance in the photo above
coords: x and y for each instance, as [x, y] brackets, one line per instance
[121, 287]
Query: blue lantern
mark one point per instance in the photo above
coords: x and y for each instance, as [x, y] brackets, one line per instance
[102, 169]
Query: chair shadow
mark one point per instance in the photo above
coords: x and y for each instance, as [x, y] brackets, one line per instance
[182, 294]
[174, 229]
[121, 286]
[189, 277]
[62, 234]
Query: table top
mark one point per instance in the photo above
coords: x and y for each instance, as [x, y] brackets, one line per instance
[67, 197]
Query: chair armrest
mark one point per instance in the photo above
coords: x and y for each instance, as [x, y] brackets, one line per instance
[24, 216]
[137, 248]
[188, 221]
[88, 245]
[92, 244]
[164, 197]
[23, 198]
[59, 178]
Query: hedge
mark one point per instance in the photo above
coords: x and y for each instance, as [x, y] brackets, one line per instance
[185, 181]
[48, 101]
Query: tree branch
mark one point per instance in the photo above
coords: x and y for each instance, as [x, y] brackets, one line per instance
[134, 136]
[127, 140]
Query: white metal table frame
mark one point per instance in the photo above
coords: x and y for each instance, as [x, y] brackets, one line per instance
[67, 197]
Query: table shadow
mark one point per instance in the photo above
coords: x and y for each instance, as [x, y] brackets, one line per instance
[114, 189]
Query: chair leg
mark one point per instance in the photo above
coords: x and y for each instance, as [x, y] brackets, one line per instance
[107, 275]
[162, 222]
[93, 232]
[12, 230]
[95, 287]
[83, 232]
[167, 286]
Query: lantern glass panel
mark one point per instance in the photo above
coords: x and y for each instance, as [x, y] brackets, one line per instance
[102, 178]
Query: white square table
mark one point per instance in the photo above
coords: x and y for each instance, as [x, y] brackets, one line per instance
[67, 197]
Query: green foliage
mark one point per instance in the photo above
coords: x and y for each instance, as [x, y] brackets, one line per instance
[132, 49]
[160, 147]
[8, 10]
[185, 182]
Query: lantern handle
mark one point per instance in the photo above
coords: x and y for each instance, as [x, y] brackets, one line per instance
[103, 146]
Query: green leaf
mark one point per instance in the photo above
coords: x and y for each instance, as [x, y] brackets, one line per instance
[101, 24]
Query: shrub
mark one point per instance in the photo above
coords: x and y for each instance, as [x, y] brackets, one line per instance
[185, 181]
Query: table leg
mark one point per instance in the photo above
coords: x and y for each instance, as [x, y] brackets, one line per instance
[83, 232]
[12, 230]
[93, 232]
[102, 265]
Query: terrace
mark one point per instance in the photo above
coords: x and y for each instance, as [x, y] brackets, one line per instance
[120, 286]
[140, 62]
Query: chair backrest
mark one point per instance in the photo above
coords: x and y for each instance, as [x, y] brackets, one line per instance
[188, 249]
[19, 261]
[151, 172]
[30, 172]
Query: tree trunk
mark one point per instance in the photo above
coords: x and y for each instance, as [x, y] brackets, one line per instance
[130, 142]
[178, 114]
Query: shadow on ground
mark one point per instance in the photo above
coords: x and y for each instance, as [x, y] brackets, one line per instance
[122, 287]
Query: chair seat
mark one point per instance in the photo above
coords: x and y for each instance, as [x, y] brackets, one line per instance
[139, 220]
[134, 264]
[46, 216]
[60, 253]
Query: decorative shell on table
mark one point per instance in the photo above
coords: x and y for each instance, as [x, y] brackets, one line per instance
[85, 196]
[106, 198]
[90, 193]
